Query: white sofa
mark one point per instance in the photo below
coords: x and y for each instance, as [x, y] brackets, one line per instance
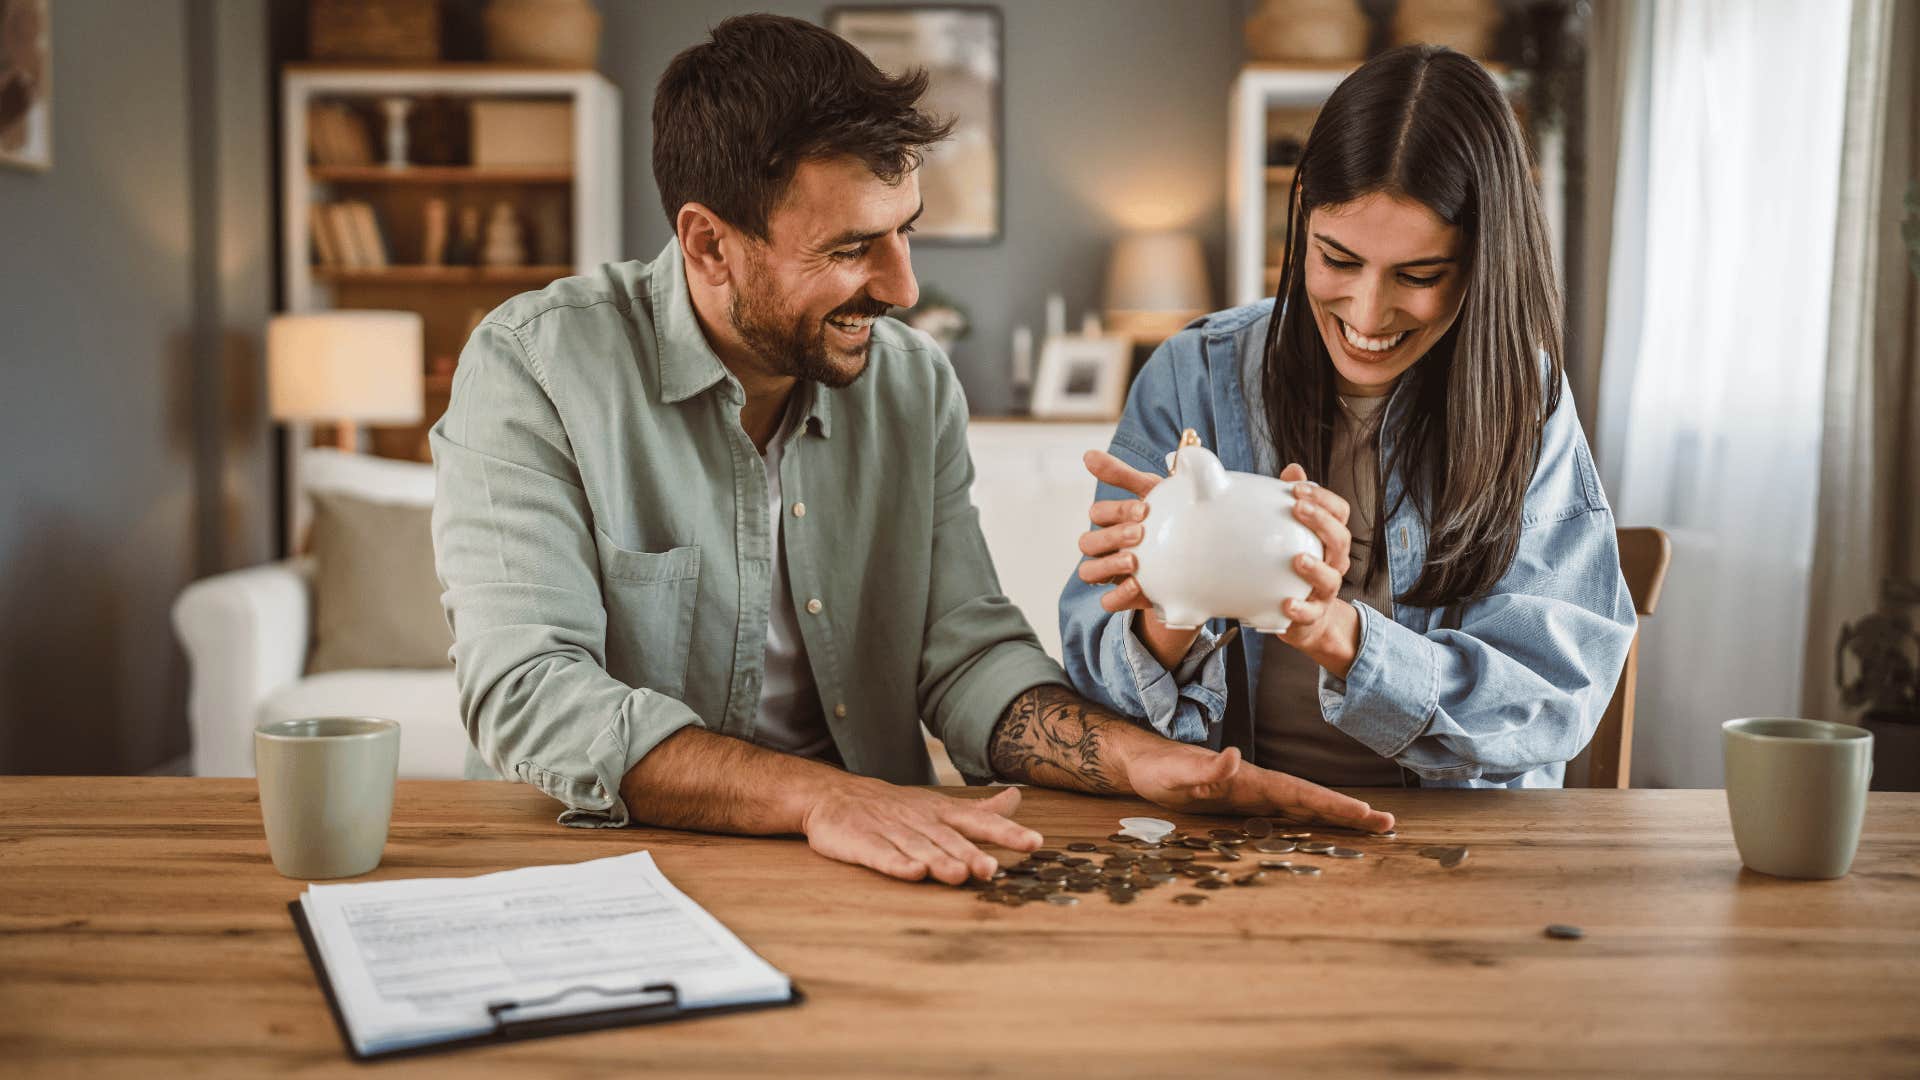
[247, 635]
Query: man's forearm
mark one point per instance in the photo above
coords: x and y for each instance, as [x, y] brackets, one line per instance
[1053, 737]
[696, 779]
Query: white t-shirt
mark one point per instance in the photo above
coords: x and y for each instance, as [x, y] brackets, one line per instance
[789, 718]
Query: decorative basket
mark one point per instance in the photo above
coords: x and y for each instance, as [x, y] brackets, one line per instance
[550, 33]
[386, 30]
[1308, 31]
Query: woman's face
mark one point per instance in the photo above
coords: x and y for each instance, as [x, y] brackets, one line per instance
[1385, 280]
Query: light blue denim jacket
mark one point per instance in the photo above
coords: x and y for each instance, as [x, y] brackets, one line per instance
[1499, 692]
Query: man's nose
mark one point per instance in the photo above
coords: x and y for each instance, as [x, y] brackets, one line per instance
[892, 282]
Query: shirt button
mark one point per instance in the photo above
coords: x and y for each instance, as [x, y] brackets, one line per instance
[840, 712]
[799, 509]
[813, 606]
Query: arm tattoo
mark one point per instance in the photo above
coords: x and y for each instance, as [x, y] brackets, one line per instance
[1054, 737]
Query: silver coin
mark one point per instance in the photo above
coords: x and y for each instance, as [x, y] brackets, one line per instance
[1275, 864]
[1454, 857]
[1082, 845]
[1316, 847]
[1434, 851]
[1193, 899]
[1304, 871]
[1272, 846]
[1210, 883]
[1258, 827]
[1062, 899]
[1254, 877]
[1046, 855]
[1346, 853]
[1565, 932]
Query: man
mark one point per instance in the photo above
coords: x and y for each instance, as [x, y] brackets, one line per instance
[704, 523]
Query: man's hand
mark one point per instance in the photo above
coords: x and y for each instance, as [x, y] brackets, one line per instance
[1197, 780]
[1054, 737]
[910, 833]
[696, 779]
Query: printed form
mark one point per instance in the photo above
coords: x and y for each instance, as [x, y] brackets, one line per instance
[419, 961]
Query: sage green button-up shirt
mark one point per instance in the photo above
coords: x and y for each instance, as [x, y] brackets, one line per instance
[602, 539]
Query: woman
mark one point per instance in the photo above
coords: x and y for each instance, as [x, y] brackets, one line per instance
[1469, 621]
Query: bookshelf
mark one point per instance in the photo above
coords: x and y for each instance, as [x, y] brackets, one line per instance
[1271, 101]
[358, 233]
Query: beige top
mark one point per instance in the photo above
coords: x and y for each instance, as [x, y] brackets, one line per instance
[1289, 732]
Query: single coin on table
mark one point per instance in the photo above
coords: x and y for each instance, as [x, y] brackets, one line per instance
[1565, 932]
[1454, 858]
[1346, 853]
[1304, 871]
[1275, 864]
[1258, 827]
[1274, 846]
[1192, 899]
[1315, 847]
[1062, 899]
[1082, 845]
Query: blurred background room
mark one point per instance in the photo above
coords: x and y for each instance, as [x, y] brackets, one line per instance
[242, 242]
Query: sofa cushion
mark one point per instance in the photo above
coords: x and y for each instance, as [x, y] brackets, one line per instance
[433, 743]
[376, 598]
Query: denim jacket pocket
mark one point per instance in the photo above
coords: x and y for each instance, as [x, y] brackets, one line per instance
[649, 598]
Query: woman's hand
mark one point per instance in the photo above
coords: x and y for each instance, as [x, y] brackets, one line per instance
[1324, 627]
[1119, 524]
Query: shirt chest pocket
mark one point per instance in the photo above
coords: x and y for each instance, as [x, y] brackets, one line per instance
[649, 598]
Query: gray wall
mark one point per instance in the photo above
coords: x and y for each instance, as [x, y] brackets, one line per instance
[1116, 119]
[134, 272]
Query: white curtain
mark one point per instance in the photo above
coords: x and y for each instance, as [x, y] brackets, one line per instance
[1714, 363]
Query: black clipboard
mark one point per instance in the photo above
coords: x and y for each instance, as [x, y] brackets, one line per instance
[514, 1030]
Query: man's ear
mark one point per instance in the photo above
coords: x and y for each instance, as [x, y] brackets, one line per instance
[704, 238]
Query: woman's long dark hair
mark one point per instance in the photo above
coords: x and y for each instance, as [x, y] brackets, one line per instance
[1429, 124]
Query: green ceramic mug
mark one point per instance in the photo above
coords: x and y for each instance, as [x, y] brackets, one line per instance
[326, 793]
[1797, 791]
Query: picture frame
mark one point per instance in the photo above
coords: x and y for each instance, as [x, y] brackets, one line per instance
[960, 46]
[26, 84]
[1082, 378]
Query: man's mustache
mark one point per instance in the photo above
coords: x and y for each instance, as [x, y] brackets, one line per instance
[860, 309]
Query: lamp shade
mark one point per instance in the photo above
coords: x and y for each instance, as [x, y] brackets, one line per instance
[1156, 283]
[360, 366]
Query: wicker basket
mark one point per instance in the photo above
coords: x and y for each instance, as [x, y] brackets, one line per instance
[389, 30]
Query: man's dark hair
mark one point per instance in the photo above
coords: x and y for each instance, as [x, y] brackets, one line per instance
[735, 116]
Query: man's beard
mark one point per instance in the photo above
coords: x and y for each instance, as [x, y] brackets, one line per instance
[798, 347]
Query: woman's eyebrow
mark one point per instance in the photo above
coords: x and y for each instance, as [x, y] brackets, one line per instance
[1434, 260]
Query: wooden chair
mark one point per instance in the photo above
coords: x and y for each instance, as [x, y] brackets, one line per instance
[1644, 554]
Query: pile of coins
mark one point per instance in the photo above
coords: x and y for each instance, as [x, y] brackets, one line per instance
[1127, 866]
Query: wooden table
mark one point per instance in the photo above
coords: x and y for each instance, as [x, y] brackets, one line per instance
[143, 933]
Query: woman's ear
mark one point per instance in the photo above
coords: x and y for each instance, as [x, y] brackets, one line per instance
[702, 234]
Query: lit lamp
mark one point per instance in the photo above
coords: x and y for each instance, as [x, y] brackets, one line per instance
[346, 368]
[1156, 284]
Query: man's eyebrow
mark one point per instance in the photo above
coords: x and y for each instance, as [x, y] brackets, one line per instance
[1436, 260]
[855, 237]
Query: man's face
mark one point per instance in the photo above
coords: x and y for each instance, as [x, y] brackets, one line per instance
[835, 259]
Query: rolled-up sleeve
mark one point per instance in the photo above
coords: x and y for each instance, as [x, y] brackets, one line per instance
[979, 653]
[1520, 678]
[1103, 654]
[513, 543]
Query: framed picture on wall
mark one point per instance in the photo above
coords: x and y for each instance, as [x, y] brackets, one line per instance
[959, 48]
[26, 85]
[1082, 378]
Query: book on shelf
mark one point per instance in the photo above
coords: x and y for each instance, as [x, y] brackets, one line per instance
[337, 136]
[347, 235]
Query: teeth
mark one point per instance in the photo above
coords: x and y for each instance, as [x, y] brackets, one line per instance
[1370, 344]
[853, 325]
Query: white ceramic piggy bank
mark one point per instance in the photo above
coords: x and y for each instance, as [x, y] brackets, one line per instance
[1221, 544]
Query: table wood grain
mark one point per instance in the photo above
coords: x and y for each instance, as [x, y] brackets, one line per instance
[143, 932]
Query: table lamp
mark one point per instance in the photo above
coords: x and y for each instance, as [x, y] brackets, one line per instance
[1156, 284]
[346, 368]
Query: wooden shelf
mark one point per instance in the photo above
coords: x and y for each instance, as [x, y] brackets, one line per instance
[444, 275]
[436, 174]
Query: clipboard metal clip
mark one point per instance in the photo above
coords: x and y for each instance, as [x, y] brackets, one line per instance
[553, 1023]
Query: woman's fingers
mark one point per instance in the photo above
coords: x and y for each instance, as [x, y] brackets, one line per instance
[1117, 511]
[1099, 571]
[1334, 537]
[1325, 498]
[1109, 540]
[1111, 470]
[1323, 579]
[1293, 473]
[1127, 594]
